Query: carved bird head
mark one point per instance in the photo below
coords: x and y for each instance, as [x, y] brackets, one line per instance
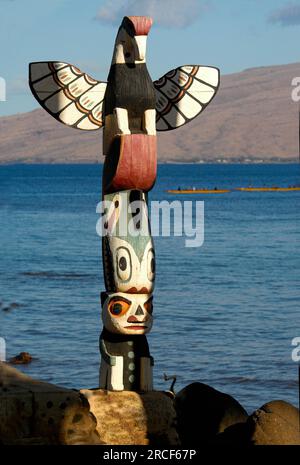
[130, 45]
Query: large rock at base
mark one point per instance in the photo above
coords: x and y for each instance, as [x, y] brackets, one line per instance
[275, 423]
[203, 413]
[128, 417]
[34, 412]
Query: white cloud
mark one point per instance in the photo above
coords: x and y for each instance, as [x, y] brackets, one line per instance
[168, 13]
[288, 15]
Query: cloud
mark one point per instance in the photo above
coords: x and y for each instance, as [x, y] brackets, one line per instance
[167, 13]
[289, 15]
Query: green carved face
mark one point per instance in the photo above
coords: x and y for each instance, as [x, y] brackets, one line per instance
[128, 250]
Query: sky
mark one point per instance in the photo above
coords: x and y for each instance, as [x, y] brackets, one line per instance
[231, 34]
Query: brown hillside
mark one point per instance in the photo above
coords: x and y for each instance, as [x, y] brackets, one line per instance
[252, 118]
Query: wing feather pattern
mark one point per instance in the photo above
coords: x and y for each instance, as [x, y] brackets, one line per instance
[183, 93]
[70, 96]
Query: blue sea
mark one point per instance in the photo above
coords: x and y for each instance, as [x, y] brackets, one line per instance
[225, 313]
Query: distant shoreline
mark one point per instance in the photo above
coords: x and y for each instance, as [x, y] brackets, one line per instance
[248, 162]
[252, 120]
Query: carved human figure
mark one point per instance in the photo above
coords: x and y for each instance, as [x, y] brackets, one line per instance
[126, 363]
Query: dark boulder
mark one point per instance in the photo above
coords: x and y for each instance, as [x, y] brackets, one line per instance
[203, 413]
[22, 358]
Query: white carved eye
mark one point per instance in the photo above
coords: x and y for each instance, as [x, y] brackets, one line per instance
[151, 265]
[123, 265]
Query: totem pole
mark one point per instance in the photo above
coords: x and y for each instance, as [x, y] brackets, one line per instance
[131, 108]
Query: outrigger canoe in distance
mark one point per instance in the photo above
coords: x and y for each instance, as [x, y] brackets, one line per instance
[198, 191]
[267, 189]
[225, 191]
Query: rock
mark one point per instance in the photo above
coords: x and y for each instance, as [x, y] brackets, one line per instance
[234, 435]
[275, 423]
[64, 418]
[21, 359]
[34, 412]
[11, 306]
[203, 412]
[15, 305]
[127, 417]
[11, 378]
[15, 414]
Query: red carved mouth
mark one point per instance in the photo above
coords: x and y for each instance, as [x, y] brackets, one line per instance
[135, 327]
[134, 290]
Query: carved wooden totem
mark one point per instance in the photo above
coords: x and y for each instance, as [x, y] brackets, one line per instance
[131, 108]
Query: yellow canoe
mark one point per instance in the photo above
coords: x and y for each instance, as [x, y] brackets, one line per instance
[267, 189]
[198, 191]
[225, 191]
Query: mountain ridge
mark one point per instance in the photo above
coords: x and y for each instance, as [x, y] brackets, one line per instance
[252, 119]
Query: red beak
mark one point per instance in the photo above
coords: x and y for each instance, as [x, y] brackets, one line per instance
[141, 24]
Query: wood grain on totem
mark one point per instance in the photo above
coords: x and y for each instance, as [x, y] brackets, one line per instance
[130, 164]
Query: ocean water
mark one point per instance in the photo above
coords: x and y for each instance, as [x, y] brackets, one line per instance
[225, 313]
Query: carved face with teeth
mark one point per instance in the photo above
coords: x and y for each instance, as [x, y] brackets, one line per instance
[127, 313]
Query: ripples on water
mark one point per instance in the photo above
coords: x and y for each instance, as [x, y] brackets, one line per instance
[225, 313]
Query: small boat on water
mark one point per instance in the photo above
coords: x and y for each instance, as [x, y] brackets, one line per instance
[267, 189]
[225, 191]
[198, 191]
[250, 188]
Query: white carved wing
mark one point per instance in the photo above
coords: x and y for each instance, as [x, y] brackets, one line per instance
[70, 96]
[183, 93]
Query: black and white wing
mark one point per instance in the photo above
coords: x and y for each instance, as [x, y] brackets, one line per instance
[72, 97]
[183, 93]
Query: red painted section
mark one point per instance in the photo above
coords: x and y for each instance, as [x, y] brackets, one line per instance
[137, 165]
[142, 24]
[134, 290]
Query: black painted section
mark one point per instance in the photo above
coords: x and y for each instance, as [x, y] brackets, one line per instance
[122, 345]
[130, 86]
[108, 271]
[111, 164]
